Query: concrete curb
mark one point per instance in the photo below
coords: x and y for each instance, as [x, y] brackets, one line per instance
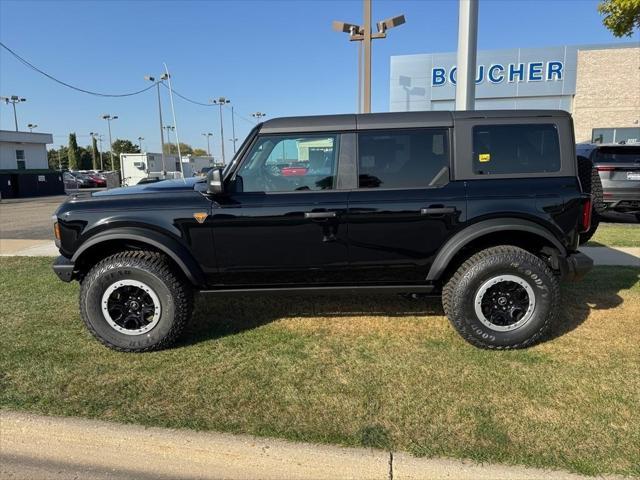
[36, 446]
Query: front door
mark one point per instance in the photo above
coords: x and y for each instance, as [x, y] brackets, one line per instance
[405, 207]
[283, 222]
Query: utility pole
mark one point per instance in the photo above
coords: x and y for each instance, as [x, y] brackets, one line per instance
[163, 77]
[233, 129]
[467, 50]
[221, 101]
[140, 143]
[13, 99]
[108, 118]
[208, 135]
[363, 34]
[31, 126]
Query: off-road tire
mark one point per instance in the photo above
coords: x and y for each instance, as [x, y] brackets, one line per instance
[459, 296]
[171, 288]
[591, 183]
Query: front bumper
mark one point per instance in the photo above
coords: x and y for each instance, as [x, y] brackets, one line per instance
[63, 268]
[575, 266]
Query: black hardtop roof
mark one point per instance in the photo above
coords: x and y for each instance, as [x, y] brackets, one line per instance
[365, 121]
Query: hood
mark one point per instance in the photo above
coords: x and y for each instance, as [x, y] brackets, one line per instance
[163, 186]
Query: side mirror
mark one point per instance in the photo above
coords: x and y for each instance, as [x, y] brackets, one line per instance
[214, 181]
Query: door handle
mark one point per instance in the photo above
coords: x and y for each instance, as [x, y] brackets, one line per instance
[437, 210]
[316, 215]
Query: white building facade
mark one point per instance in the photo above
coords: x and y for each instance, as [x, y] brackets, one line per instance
[24, 150]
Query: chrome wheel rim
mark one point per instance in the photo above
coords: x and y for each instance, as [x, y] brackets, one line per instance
[505, 303]
[131, 307]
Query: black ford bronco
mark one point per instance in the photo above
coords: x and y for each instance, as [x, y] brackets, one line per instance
[484, 208]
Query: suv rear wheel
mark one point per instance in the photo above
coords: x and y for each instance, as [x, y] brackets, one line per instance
[502, 298]
[134, 301]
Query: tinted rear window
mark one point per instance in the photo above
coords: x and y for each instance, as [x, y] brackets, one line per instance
[524, 148]
[617, 154]
[403, 158]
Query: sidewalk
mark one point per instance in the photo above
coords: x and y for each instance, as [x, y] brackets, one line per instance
[39, 447]
[625, 256]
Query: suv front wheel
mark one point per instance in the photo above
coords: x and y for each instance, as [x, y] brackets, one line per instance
[502, 298]
[134, 301]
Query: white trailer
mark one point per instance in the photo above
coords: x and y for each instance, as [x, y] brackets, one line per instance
[136, 166]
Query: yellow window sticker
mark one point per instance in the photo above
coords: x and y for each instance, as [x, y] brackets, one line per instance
[484, 157]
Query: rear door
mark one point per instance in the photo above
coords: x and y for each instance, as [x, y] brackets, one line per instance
[404, 207]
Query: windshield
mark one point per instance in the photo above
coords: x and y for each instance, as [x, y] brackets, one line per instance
[617, 154]
[233, 161]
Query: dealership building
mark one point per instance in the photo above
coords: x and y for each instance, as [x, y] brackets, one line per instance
[598, 84]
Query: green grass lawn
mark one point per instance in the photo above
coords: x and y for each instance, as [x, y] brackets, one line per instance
[376, 371]
[616, 235]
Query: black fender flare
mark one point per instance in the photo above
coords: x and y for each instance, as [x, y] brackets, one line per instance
[169, 246]
[485, 227]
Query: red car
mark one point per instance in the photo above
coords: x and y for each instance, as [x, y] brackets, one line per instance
[98, 180]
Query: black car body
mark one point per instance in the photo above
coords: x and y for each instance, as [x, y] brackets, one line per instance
[619, 168]
[394, 202]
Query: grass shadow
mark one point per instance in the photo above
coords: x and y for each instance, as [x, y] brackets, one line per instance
[217, 317]
[599, 290]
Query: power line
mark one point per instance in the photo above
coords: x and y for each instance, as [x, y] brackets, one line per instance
[51, 77]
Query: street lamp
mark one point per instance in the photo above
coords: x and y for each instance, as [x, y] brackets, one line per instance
[363, 34]
[220, 102]
[13, 99]
[163, 77]
[208, 135]
[169, 129]
[258, 115]
[140, 143]
[31, 126]
[108, 118]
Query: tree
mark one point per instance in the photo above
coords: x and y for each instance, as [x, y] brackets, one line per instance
[621, 17]
[95, 155]
[58, 159]
[74, 153]
[185, 149]
[199, 152]
[85, 162]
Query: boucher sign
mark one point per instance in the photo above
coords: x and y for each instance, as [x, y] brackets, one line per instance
[539, 71]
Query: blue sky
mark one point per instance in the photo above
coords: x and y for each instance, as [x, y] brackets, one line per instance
[278, 57]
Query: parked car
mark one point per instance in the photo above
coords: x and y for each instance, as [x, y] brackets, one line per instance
[75, 180]
[482, 208]
[619, 168]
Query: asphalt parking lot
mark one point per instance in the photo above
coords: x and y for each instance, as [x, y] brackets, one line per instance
[28, 218]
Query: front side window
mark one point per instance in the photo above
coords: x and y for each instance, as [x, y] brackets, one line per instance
[289, 163]
[403, 158]
[509, 149]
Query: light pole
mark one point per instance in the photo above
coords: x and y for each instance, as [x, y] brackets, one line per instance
[108, 118]
[363, 34]
[169, 129]
[140, 143]
[258, 115]
[467, 49]
[13, 99]
[220, 102]
[163, 77]
[208, 135]
[31, 126]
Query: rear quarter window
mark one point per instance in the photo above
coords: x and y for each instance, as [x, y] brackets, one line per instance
[513, 149]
